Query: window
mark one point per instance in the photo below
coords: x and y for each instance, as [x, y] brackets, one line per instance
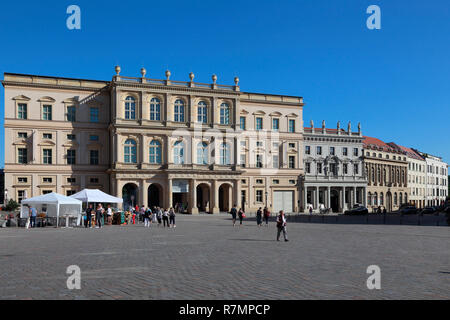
[344, 151]
[224, 154]
[20, 195]
[93, 180]
[259, 196]
[71, 137]
[202, 112]
[179, 111]
[70, 192]
[242, 123]
[291, 162]
[243, 181]
[22, 155]
[243, 159]
[46, 192]
[93, 138]
[93, 114]
[292, 182]
[155, 152]
[259, 144]
[395, 199]
[224, 114]
[22, 111]
[71, 156]
[308, 167]
[276, 181]
[276, 146]
[356, 168]
[93, 157]
[259, 181]
[243, 143]
[319, 150]
[345, 168]
[155, 109]
[23, 135]
[130, 108]
[333, 169]
[307, 150]
[291, 125]
[319, 168]
[259, 123]
[47, 136]
[291, 145]
[332, 152]
[47, 180]
[381, 199]
[275, 124]
[47, 156]
[22, 180]
[355, 152]
[71, 113]
[130, 155]
[275, 161]
[259, 163]
[47, 112]
[71, 180]
[202, 153]
[178, 153]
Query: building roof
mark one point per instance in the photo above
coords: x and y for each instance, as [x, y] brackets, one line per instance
[377, 144]
[409, 152]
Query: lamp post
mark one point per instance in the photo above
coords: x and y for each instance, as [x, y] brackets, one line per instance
[266, 199]
[6, 196]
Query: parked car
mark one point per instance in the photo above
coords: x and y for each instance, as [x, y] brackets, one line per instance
[357, 211]
[408, 210]
[428, 210]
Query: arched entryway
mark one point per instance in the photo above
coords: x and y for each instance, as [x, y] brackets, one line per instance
[203, 201]
[225, 193]
[334, 200]
[389, 202]
[130, 195]
[154, 195]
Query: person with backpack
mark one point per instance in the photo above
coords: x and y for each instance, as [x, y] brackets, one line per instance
[146, 215]
[233, 213]
[259, 217]
[266, 216]
[89, 216]
[172, 218]
[281, 226]
[241, 215]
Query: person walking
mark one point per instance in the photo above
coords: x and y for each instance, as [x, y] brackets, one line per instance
[241, 215]
[310, 210]
[172, 218]
[259, 217]
[281, 226]
[109, 215]
[159, 216]
[98, 216]
[233, 213]
[89, 216]
[165, 218]
[141, 214]
[266, 216]
[146, 216]
[33, 214]
[154, 214]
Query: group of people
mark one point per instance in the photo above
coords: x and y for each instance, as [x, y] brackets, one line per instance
[164, 217]
[260, 215]
[97, 216]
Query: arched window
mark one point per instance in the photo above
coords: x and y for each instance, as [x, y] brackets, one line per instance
[398, 177]
[375, 197]
[178, 111]
[395, 198]
[369, 197]
[129, 151]
[224, 154]
[178, 152]
[224, 114]
[381, 199]
[379, 174]
[384, 176]
[155, 109]
[401, 199]
[202, 112]
[155, 152]
[373, 175]
[130, 108]
[406, 198]
[202, 153]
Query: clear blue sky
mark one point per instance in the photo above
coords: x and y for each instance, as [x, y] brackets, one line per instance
[395, 81]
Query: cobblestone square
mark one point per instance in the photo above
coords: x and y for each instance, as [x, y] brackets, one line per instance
[206, 258]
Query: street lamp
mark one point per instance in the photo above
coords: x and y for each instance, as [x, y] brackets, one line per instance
[6, 196]
[266, 199]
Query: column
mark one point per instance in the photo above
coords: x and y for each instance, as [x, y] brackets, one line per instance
[169, 201]
[343, 199]
[329, 197]
[305, 201]
[237, 194]
[317, 198]
[355, 200]
[214, 198]
[193, 201]
[143, 194]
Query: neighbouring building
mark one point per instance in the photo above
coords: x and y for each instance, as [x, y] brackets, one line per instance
[417, 176]
[202, 147]
[437, 179]
[387, 173]
[333, 164]
[2, 186]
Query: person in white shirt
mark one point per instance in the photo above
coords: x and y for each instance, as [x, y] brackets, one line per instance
[109, 214]
[281, 226]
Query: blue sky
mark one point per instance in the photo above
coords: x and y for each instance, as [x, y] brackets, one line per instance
[395, 81]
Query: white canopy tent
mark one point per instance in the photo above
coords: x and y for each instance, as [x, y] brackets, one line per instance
[95, 196]
[56, 205]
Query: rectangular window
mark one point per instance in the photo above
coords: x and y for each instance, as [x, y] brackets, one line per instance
[291, 126]
[355, 152]
[71, 137]
[93, 180]
[242, 123]
[332, 152]
[259, 123]
[345, 168]
[23, 135]
[47, 180]
[70, 192]
[22, 111]
[356, 168]
[47, 156]
[22, 155]
[307, 150]
[291, 162]
[243, 159]
[259, 163]
[259, 196]
[93, 137]
[47, 112]
[46, 192]
[93, 115]
[275, 161]
[319, 150]
[333, 169]
[20, 195]
[243, 144]
[319, 168]
[276, 146]
[344, 151]
[292, 182]
[22, 180]
[71, 180]
[308, 167]
[259, 181]
[93, 157]
[259, 144]
[71, 114]
[276, 181]
[275, 124]
[71, 156]
[291, 145]
[47, 136]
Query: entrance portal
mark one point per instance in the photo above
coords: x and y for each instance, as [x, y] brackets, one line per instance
[225, 198]
[203, 198]
[334, 200]
[154, 195]
[130, 196]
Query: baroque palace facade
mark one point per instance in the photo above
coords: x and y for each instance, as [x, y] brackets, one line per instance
[153, 142]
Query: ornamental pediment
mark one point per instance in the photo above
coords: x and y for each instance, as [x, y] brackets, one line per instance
[46, 99]
[21, 98]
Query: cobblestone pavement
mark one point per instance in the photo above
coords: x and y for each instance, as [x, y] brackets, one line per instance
[206, 258]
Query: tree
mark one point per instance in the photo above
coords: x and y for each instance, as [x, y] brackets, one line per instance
[12, 205]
